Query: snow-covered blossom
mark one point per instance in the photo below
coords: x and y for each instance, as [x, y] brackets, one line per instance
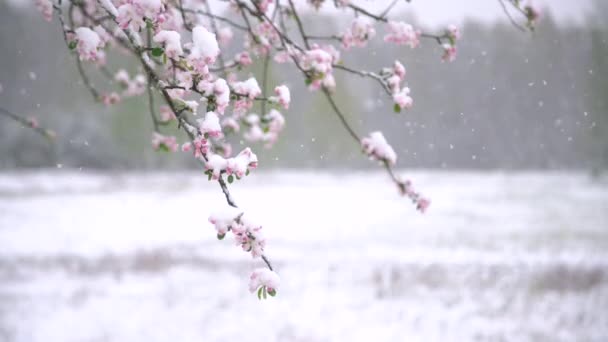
[88, 42]
[172, 42]
[403, 34]
[134, 12]
[216, 164]
[283, 96]
[205, 49]
[449, 53]
[162, 142]
[359, 33]
[46, 8]
[222, 94]
[210, 125]
[222, 220]
[376, 147]
[320, 62]
[240, 164]
[402, 98]
[264, 278]
[248, 88]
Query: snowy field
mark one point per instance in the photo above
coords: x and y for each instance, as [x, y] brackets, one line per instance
[131, 257]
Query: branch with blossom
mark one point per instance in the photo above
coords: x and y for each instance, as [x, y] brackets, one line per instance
[180, 47]
[29, 122]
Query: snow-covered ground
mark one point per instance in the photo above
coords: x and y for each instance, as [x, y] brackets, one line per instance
[131, 257]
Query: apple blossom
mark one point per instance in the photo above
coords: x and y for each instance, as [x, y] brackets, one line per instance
[402, 98]
[283, 96]
[264, 281]
[172, 42]
[210, 125]
[205, 49]
[359, 33]
[46, 8]
[376, 147]
[88, 42]
[166, 143]
[449, 53]
[403, 34]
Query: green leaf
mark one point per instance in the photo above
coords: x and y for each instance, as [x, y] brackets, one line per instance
[72, 45]
[396, 108]
[260, 293]
[221, 236]
[165, 58]
[308, 81]
[157, 52]
[209, 176]
[247, 172]
[272, 292]
[163, 148]
[230, 179]
[264, 292]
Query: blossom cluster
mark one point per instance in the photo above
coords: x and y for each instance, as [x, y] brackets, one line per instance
[181, 49]
[360, 32]
[249, 237]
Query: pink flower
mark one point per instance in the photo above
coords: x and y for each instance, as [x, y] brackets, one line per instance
[110, 99]
[449, 53]
[263, 277]
[200, 146]
[46, 8]
[133, 13]
[167, 143]
[358, 34]
[225, 35]
[423, 204]
[453, 32]
[88, 42]
[284, 97]
[399, 70]
[402, 98]
[403, 34]
[32, 122]
[243, 58]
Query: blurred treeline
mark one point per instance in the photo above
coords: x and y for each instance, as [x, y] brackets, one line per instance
[510, 100]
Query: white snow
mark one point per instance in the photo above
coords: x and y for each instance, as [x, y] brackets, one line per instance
[132, 257]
